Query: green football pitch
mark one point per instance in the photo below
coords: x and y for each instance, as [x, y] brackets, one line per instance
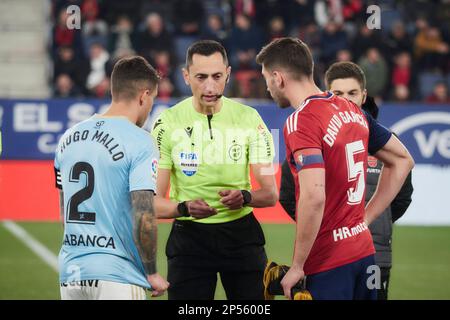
[421, 260]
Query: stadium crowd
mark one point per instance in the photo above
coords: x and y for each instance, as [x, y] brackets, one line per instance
[408, 59]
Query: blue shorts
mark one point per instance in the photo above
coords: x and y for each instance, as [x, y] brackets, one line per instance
[347, 282]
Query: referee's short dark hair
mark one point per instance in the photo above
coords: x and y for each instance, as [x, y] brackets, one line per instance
[345, 70]
[131, 75]
[291, 54]
[205, 48]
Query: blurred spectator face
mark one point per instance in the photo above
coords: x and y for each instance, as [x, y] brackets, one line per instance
[350, 89]
[207, 77]
[421, 24]
[62, 18]
[154, 23]
[90, 9]
[403, 60]
[66, 53]
[401, 93]
[96, 50]
[124, 23]
[433, 33]
[398, 30]
[331, 27]
[165, 89]
[214, 22]
[343, 55]
[64, 85]
[242, 22]
[364, 31]
[373, 55]
[440, 92]
[277, 25]
[162, 58]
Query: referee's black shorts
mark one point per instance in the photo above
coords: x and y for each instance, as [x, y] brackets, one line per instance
[196, 252]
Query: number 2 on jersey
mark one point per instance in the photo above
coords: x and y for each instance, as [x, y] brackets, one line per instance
[76, 216]
[355, 172]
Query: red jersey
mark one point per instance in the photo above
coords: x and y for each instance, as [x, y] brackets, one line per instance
[341, 131]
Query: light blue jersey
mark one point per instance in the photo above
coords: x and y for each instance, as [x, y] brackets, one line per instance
[98, 163]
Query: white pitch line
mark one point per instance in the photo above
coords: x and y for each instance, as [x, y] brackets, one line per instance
[38, 248]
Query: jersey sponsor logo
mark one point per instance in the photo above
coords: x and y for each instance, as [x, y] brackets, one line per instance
[157, 123]
[189, 163]
[267, 141]
[89, 241]
[372, 162]
[98, 124]
[346, 232]
[188, 131]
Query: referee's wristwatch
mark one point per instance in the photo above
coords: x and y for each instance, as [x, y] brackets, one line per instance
[183, 209]
[247, 197]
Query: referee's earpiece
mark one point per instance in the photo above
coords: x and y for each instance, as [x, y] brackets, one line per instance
[228, 78]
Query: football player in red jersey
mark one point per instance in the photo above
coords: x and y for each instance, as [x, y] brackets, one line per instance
[327, 141]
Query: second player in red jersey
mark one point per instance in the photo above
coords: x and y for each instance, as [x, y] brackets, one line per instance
[332, 133]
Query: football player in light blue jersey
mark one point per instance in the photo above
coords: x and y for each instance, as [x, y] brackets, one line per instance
[106, 171]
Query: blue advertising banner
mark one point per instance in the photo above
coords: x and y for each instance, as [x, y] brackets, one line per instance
[31, 128]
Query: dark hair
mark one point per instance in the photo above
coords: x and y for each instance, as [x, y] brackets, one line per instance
[205, 48]
[130, 75]
[344, 70]
[291, 54]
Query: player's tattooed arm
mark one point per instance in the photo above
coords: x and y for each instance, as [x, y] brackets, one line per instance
[145, 228]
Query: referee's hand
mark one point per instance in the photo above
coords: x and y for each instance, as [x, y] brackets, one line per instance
[199, 209]
[232, 199]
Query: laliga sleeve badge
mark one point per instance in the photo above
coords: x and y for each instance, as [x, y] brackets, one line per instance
[154, 169]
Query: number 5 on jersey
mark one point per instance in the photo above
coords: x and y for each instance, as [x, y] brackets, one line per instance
[355, 172]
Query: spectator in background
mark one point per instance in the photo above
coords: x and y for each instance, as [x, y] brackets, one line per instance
[187, 16]
[398, 39]
[430, 50]
[401, 93]
[326, 11]
[214, 29]
[165, 89]
[62, 36]
[94, 30]
[376, 70]
[122, 36]
[365, 39]
[97, 82]
[402, 73]
[301, 13]
[344, 55]
[277, 28]
[154, 37]
[333, 39]
[75, 67]
[439, 95]
[65, 88]
[244, 42]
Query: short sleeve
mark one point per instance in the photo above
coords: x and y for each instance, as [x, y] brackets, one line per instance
[160, 133]
[303, 131]
[261, 148]
[144, 168]
[378, 134]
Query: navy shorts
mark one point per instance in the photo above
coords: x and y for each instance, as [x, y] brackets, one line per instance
[347, 282]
